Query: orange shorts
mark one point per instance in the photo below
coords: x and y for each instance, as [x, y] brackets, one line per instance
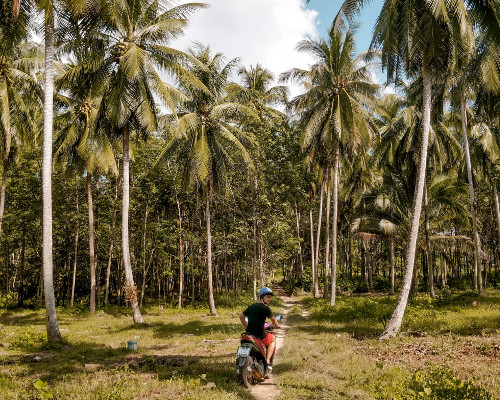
[268, 339]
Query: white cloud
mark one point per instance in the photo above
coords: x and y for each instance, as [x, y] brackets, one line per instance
[257, 31]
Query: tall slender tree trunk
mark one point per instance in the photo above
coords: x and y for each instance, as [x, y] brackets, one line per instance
[318, 236]
[53, 333]
[397, 317]
[211, 302]
[297, 218]
[144, 271]
[130, 287]
[442, 261]
[20, 296]
[478, 284]
[327, 231]
[497, 209]
[181, 255]
[255, 236]
[313, 263]
[430, 261]
[2, 190]
[91, 242]
[76, 244]
[392, 265]
[112, 243]
[336, 162]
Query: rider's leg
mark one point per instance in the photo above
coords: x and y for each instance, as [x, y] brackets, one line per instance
[270, 350]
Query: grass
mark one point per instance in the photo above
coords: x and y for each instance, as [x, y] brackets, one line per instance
[179, 352]
[449, 348]
[447, 345]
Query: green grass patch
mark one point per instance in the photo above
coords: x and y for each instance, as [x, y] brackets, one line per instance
[446, 350]
[449, 347]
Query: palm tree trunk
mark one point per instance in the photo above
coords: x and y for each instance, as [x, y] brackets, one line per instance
[327, 230]
[53, 333]
[397, 317]
[313, 264]
[76, 244]
[430, 265]
[478, 284]
[211, 302]
[91, 242]
[130, 288]
[181, 255]
[334, 225]
[318, 236]
[112, 244]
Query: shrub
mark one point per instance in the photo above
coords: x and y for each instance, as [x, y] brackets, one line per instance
[5, 300]
[441, 383]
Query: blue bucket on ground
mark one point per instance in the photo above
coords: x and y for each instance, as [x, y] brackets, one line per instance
[132, 344]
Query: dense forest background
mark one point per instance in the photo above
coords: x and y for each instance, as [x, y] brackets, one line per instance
[233, 185]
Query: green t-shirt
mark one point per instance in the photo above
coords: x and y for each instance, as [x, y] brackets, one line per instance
[257, 314]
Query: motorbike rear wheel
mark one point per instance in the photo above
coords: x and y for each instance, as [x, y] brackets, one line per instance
[246, 373]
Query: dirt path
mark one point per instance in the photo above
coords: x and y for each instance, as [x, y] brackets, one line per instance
[268, 390]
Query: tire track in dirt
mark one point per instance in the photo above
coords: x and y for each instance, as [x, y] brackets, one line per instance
[268, 390]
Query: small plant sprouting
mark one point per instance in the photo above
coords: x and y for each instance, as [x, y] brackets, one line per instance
[43, 389]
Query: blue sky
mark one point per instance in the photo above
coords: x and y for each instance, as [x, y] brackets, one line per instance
[268, 31]
[328, 9]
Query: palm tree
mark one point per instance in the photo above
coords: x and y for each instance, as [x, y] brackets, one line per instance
[53, 333]
[338, 89]
[207, 133]
[432, 38]
[130, 49]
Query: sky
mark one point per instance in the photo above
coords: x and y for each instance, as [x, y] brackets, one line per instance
[267, 31]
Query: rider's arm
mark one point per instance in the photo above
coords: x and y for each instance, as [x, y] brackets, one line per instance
[242, 319]
[275, 323]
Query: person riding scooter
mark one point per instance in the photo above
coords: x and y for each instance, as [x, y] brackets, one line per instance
[257, 314]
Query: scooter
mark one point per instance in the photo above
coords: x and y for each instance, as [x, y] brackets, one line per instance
[251, 362]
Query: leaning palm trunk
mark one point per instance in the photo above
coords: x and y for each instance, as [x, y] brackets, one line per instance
[478, 284]
[327, 230]
[53, 333]
[91, 242]
[334, 224]
[397, 317]
[211, 302]
[130, 288]
[318, 236]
